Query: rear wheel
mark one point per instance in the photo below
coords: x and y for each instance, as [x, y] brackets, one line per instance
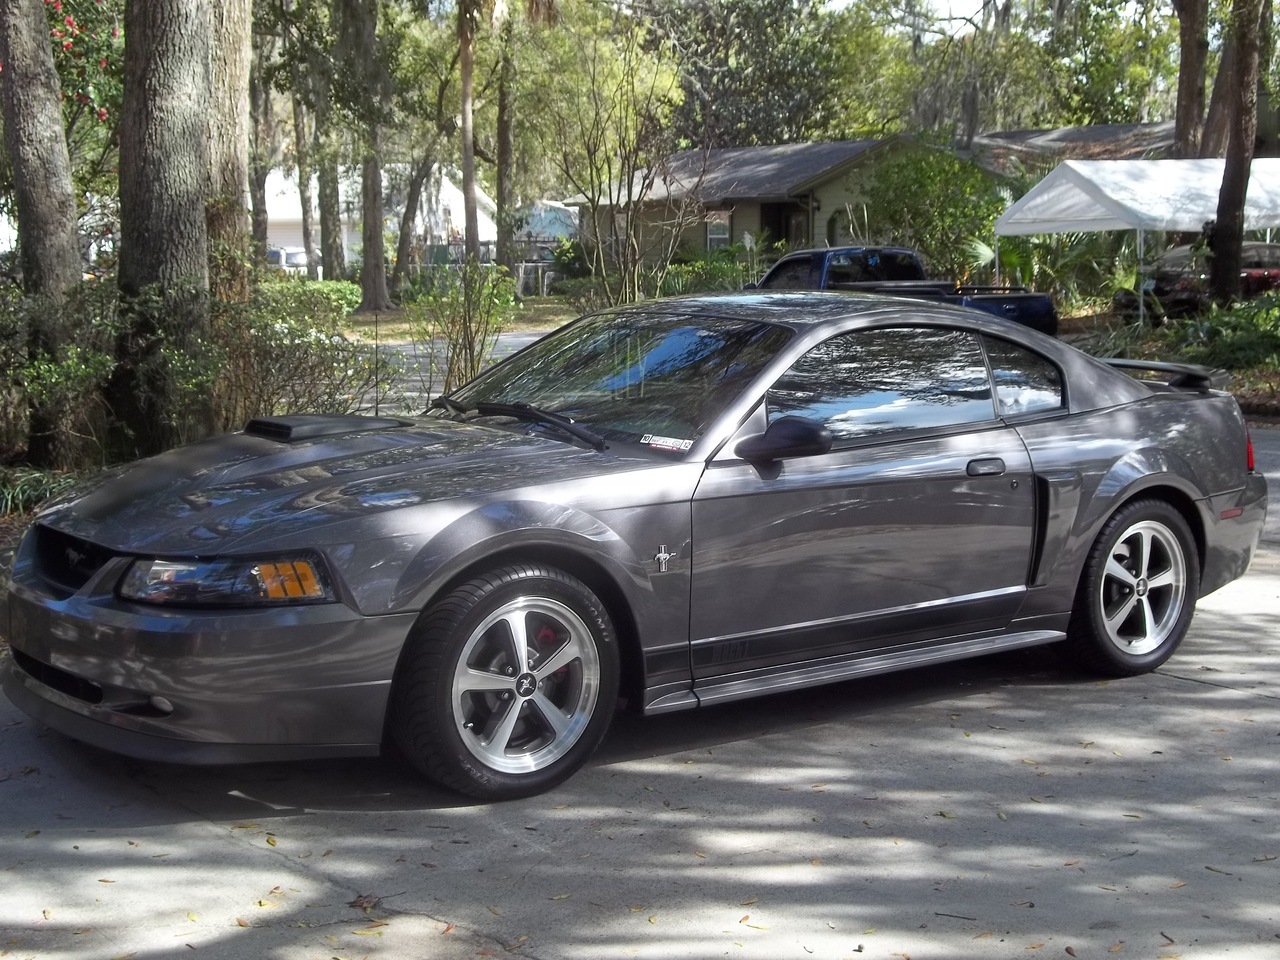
[507, 684]
[1137, 593]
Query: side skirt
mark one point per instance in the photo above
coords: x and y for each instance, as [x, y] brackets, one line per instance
[780, 681]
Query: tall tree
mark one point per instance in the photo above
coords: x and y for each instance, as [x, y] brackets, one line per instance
[265, 141]
[34, 135]
[753, 71]
[468, 20]
[230, 55]
[365, 92]
[46, 204]
[1246, 35]
[538, 12]
[1193, 54]
[164, 243]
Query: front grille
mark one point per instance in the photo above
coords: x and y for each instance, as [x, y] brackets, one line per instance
[66, 561]
[59, 680]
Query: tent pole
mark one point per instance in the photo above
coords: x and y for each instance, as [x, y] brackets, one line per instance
[1142, 283]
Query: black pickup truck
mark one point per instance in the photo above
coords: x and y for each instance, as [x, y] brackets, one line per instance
[900, 272]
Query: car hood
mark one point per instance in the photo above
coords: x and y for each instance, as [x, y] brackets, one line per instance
[234, 492]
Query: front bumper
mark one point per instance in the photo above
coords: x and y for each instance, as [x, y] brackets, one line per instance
[197, 686]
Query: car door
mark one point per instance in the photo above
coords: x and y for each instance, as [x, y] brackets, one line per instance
[915, 527]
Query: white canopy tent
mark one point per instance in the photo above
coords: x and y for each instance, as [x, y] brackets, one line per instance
[1083, 196]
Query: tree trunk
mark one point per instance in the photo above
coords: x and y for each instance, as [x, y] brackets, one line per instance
[333, 251]
[259, 220]
[373, 270]
[1217, 119]
[467, 13]
[230, 53]
[1193, 51]
[1224, 268]
[505, 251]
[48, 247]
[301, 145]
[264, 145]
[164, 240]
[408, 222]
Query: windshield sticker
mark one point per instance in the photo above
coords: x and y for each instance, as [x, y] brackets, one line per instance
[665, 443]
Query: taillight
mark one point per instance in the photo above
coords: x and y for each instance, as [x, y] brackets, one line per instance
[1248, 447]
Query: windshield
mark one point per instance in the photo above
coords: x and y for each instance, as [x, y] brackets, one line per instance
[659, 380]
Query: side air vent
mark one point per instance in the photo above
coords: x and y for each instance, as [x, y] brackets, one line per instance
[312, 426]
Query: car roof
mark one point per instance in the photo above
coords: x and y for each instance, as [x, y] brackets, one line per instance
[807, 309]
[814, 315]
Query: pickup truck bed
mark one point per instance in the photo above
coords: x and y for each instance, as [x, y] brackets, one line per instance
[900, 272]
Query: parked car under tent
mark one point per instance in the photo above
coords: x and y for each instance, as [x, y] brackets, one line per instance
[1086, 196]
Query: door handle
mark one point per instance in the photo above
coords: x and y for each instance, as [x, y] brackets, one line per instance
[987, 467]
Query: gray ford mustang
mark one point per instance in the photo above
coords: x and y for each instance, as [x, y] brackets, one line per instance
[677, 504]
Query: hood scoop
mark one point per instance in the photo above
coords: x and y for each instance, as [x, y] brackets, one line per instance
[311, 426]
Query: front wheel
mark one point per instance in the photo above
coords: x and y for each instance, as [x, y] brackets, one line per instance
[507, 684]
[1137, 593]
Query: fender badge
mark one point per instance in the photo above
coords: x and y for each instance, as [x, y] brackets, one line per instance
[663, 558]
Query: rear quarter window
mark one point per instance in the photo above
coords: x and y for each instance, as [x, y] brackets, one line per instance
[1025, 382]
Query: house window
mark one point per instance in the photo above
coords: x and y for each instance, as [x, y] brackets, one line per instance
[719, 229]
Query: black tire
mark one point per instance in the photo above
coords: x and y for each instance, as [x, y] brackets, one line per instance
[467, 714]
[1137, 591]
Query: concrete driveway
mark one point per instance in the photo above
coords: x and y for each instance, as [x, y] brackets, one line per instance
[995, 808]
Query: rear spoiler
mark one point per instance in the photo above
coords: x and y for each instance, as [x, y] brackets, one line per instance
[1177, 376]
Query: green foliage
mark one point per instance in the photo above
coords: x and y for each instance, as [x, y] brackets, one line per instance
[23, 489]
[88, 53]
[329, 299]
[583, 294]
[465, 308]
[285, 352]
[706, 275]
[1244, 336]
[755, 71]
[571, 258]
[1074, 268]
[62, 386]
[929, 200]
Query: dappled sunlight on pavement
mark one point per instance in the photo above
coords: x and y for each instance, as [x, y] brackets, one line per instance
[1000, 807]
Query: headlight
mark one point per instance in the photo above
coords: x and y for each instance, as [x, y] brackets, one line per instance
[228, 582]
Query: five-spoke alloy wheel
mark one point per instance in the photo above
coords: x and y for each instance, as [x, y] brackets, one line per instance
[1138, 590]
[507, 683]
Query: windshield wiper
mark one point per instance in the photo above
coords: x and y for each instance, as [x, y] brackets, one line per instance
[532, 414]
[448, 403]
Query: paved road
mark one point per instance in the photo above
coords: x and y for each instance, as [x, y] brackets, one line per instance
[419, 374]
[993, 809]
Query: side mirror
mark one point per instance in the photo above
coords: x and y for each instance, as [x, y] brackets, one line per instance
[785, 438]
[750, 286]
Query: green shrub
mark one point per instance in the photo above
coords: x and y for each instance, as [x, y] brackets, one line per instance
[23, 488]
[284, 352]
[583, 294]
[326, 298]
[706, 275]
[465, 309]
[1246, 335]
[55, 360]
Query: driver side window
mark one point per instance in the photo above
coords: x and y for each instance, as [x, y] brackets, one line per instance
[872, 382]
